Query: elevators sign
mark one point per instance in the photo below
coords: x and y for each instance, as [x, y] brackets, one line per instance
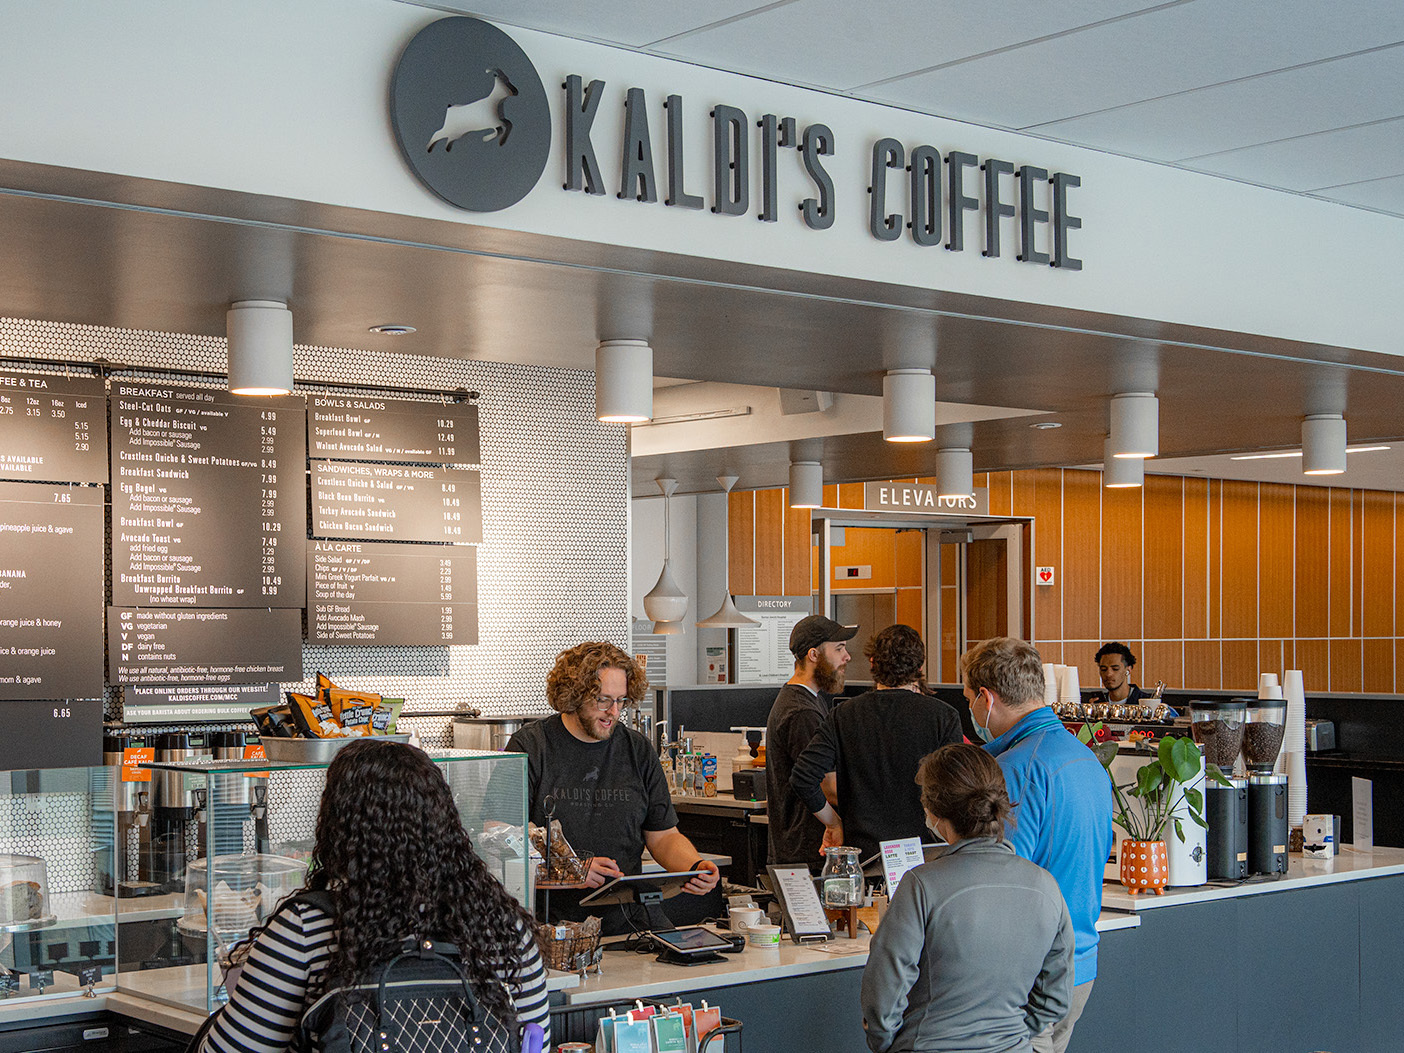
[918, 497]
[51, 585]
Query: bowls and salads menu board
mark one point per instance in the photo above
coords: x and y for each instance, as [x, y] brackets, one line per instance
[201, 645]
[396, 502]
[51, 588]
[352, 427]
[377, 593]
[208, 505]
[52, 428]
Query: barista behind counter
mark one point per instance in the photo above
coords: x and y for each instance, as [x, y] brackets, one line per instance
[605, 785]
[1114, 664]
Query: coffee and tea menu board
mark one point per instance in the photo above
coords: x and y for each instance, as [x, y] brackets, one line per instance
[51, 563]
[361, 428]
[371, 592]
[396, 502]
[53, 429]
[208, 505]
[200, 645]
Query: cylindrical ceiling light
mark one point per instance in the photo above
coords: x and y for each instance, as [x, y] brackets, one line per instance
[955, 472]
[806, 484]
[909, 405]
[1121, 472]
[727, 616]
[1135, 425]
[624, 381]
[1324, 444]
[666, 602]
[260, 339]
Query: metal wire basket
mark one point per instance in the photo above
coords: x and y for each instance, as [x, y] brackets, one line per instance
[571, 946]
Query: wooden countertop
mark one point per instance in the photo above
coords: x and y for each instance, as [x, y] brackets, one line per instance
[1302, 872]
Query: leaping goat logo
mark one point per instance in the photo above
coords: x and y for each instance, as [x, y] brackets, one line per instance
[483, 118]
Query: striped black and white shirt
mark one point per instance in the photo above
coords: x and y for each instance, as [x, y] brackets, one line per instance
[284, 974]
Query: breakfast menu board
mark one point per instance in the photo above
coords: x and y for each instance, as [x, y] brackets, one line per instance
[203, 646]
[364, 428]
[52, 428]
[51, 584]
[396, 502]
[208, 498]
[371, 592]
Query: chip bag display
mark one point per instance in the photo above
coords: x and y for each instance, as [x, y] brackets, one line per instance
[314, 719]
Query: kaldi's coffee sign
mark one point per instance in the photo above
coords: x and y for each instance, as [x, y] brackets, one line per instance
[471, 118]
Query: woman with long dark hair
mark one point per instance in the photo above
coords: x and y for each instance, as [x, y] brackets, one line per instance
[976, 950]
[392, 853]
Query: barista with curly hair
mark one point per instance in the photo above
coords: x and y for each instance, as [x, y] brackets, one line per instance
[392, 853]
[603, 781]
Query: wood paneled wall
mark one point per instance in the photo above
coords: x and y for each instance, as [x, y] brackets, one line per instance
[1209, 581]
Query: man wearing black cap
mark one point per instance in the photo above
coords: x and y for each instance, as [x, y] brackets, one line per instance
[820, 648]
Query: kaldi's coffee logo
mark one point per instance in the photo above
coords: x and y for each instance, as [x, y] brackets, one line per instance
[473, 122]
[470, 114]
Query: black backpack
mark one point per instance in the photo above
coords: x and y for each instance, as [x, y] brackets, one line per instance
[421, 1001]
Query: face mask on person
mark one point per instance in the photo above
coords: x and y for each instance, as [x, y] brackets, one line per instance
[983, 730]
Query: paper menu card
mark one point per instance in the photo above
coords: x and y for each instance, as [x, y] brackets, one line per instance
[632, 1036]
[1362, 795]
[704, 1019]
[669, 1035]
[804, 914]
[898, 857]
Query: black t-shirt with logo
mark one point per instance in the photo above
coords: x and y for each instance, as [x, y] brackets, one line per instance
[606, 793]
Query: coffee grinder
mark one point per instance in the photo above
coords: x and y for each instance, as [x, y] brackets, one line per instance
[1226, 812]
[1267, 824]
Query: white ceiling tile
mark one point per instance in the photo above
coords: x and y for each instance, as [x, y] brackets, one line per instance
[1313, 162]
[823, 43]
[633, 23]
[1315, 98]
[1147, 56]
[1384, 194]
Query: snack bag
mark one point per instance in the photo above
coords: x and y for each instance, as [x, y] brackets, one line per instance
[313, 719]
[353, 709]
[274, 722]
[387, 712]
[324, 687]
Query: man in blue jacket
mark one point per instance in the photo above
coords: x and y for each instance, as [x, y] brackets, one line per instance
[1062, 817]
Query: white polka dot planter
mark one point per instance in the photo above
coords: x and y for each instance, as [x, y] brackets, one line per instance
[1144, 867]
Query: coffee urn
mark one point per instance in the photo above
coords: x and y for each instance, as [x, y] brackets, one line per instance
[124, 807]
[173, 809]
[231, 796]
[1226, 812]
[1267, 824]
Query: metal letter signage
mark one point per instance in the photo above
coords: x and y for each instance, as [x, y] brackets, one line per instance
[470, 114]
[917, 497]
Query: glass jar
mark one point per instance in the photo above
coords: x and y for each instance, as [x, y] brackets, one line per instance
[841, 881]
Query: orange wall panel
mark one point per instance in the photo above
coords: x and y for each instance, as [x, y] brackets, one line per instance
[1196, 553]
[1378, 672]
[798, 551]
[1313, 658]
[1376, 551]
[1048, 551]
[1240, 665]
[1342, 577]
[770, 542]
[1081, 571]
[1163, 561]
[1122, 516]
[1203, 664]
[910, 546]
[741, 542]
[1001, 493]
[1216, 557]
[1276, 529]
[1160, 660]
[865, 547]
[1313, 561]
[1272, 657]
[850, 495]
[1346, 665]
[1240, 562]
[909, 609]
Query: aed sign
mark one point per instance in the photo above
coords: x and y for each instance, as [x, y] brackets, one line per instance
[472, 120]
[1043, 575]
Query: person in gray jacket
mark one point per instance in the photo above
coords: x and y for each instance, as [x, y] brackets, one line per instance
[975, 952]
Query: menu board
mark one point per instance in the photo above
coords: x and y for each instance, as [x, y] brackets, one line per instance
[208, 505]
[53, 428]
[396, 502]
[359, 427]
[51, 582]
[370, 592]
[203, 646]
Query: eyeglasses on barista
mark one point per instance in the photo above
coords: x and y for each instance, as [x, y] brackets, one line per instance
[604, 703]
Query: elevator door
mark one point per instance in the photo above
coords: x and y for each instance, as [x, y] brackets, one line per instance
[872, 612]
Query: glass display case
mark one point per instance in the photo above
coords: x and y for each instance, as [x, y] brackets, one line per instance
[57, 927]
[225, 841]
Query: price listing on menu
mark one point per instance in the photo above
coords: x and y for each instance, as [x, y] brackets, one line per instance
[51, 565]
[370, 592]
[53, 429]
[353, 427]
[396, 502]
[208, 505]
[203, 646]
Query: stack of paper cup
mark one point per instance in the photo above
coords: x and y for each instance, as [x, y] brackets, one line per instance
[1294, 746]
[1050, 683]
[1068, 688]
[1266, 683]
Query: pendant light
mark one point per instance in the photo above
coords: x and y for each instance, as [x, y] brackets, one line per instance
[806, 484]
[909, 405]
[955, 472]
[667, 602]
[1135, 424]
[1324, 444]
[260, 343]
[727, 616]
[624, 381]
[1121, 472]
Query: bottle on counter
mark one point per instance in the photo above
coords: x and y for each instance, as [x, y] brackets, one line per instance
[841, 880]
[709, 775]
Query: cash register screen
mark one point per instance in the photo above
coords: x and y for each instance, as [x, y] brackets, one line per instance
[691, 941]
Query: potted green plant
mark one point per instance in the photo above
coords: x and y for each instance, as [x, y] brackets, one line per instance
[1150, 805]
